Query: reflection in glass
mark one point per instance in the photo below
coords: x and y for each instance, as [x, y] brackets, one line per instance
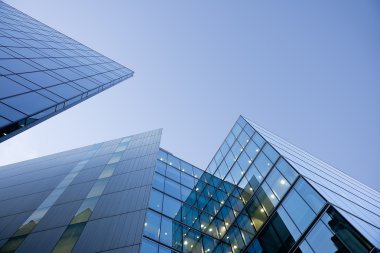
[152, 225]
[85, 210]
[98, 188]
[69, 238]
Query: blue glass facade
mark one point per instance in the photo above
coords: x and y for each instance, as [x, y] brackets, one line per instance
[130, 195]
[91, 199]
[43, 72]
[251, 198]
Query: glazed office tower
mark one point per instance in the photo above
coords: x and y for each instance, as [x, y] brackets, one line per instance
[43, 72]
[258, 194]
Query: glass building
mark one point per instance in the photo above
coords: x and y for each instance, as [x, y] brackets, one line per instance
[258, 194]
[43, 72]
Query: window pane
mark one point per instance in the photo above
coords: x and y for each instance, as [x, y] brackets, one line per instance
[313, 198]
[161, 167]
[155, 201]
[69, 238]
[85, 210]
[98, 188]
[271, 153]
[29, 103]
[107, 172]
[187, 180]
[320, 239]
[148, 246]
[166, 231]
[289, 173]
[171, 206]
[345, 234]
[158, 182]
[172, 188]
[298, 210]
[152, 225]
[10, 88]
[277, 183]
[263, 164]
[173, 173]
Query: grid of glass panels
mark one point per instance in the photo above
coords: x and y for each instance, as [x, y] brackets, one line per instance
[174, 221]
[250, 199]
[43, 72]
[64, 202]
[358, 203]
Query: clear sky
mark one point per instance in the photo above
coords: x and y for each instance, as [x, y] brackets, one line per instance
[308, 71]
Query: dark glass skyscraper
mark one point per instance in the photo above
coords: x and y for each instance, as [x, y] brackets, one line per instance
[43, 72]
[258, 194]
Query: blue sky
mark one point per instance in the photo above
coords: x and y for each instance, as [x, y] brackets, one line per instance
[305, 70]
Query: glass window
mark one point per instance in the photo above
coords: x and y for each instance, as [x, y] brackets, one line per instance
[161, 167]
[173, 173]
[166, 235]
[98, 188]
[162, 155]
[271, 153]
[230, 139]
[230, 159]
[258, 140]
[16, 65]
[171, 206]
[152, 225]
[243, 138]
[172, 188]
[224, 148]
[185, 193]
[187, 180]
[41, 78]
[12, 244]
[155, 201]
[319, 239]
[244, 161]
[304, 248]
[158, 182]
[186, 167]
[289, 223]
[69, 238]
[236, 129]
[286, 170]
[163, 250]
[263, 164]
[174, 161]
[197, 172]
[4, 122]
[218, 157]
[65, 91]
[277, 183]
[148, 246]
[121, 147]
[223, 170]
[298, 210]
[266, 198]
[315, 201]
[236, 173]
[29, 103]
[115, 158]
[254, 178]
[276, 237]
[257, 213]
[85, 210]
[249, 129]
[10, 88]
[346, 238]
[10, 113]
[107, 172]
[236, 149]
